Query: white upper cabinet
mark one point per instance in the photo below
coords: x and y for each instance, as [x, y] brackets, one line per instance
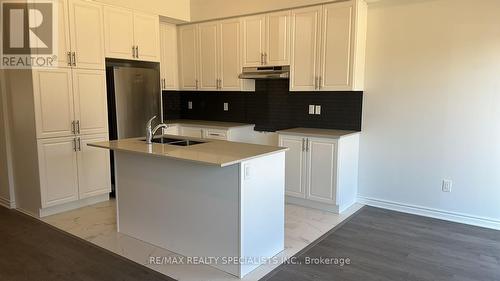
[208, 56]
[54, 106]
[278, 39]
[169, 66]
[328, 47]
[119, 24]
[147, 37]
[336, 54]
[188, 57]
[63, 37]
[305, 47]
[229, 55]
[254, 40]
[266, 39]
[91, 108]
[87, 34]
[131, 35]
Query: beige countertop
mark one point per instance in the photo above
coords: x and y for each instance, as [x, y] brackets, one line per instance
[211, 152]
[320, 133]
[207, 124]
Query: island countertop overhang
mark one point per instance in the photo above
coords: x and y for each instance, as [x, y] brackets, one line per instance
[210, 152]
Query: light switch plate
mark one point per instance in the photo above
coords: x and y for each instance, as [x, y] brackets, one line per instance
[226, 106]
[311, 109]
[318, 110]
[190, 105]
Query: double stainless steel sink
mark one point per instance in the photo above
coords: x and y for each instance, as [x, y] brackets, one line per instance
[178, 142]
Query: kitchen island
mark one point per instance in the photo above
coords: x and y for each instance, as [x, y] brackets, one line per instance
[216, 200]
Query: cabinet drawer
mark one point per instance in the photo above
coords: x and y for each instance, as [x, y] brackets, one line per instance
[216, 134]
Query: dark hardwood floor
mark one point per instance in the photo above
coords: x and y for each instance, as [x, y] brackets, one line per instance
[381, 245]
[387, 245]
[30, 250]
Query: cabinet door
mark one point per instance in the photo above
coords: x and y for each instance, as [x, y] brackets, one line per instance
[168, 65]
[336, 54]
[278, 38]
[230, 59]
[93, 167]
[254, 40]
[191, 132]
[119, 32]
[322, 167]
[53, 97]
[208, 56]
[304, 67]
[147, 36]
[188, 61]
[89, 87]
[87, 34]
[63, 45]
[294, 166]
[58, 171]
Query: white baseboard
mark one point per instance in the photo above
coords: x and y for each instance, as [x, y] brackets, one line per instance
[73, 205]
[7, 203]
[430, 212]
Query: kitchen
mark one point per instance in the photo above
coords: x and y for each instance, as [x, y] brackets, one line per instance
[225, 133]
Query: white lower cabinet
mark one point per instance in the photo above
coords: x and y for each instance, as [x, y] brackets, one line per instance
[58, 166]
[191, 132]
[70, 170]
[321, 172]
[93, 167]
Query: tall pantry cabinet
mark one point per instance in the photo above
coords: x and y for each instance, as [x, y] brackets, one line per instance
[70, 111]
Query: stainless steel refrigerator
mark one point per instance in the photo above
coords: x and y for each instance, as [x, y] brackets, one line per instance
[135, 97]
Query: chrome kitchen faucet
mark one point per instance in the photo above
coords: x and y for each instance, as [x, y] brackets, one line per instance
[151, 132]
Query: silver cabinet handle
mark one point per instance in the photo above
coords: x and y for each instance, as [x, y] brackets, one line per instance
[196, 81]
[73, 127]
[69, 59]
[303, 144]
[79, 144]
[74, 58]
[320, 80]
[262, 58]
[137, 51]
[74, 144]
[265, 58]
[78, 126]
[133, 51]
[307, 144]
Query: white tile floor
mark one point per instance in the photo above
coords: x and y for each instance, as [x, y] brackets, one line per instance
[97, 224]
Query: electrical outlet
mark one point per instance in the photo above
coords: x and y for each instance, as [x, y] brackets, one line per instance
[311, 109]
[248, 171]
[226, 106]
[190, 105]
[447, 184]
[318, 110]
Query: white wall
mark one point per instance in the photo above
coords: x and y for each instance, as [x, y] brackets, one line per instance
[213, 9]
[175, 9]
[432, 107]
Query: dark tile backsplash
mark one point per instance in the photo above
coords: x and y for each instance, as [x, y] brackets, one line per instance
[271, 107]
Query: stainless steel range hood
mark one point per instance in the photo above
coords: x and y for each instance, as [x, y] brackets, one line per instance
[266, 72]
